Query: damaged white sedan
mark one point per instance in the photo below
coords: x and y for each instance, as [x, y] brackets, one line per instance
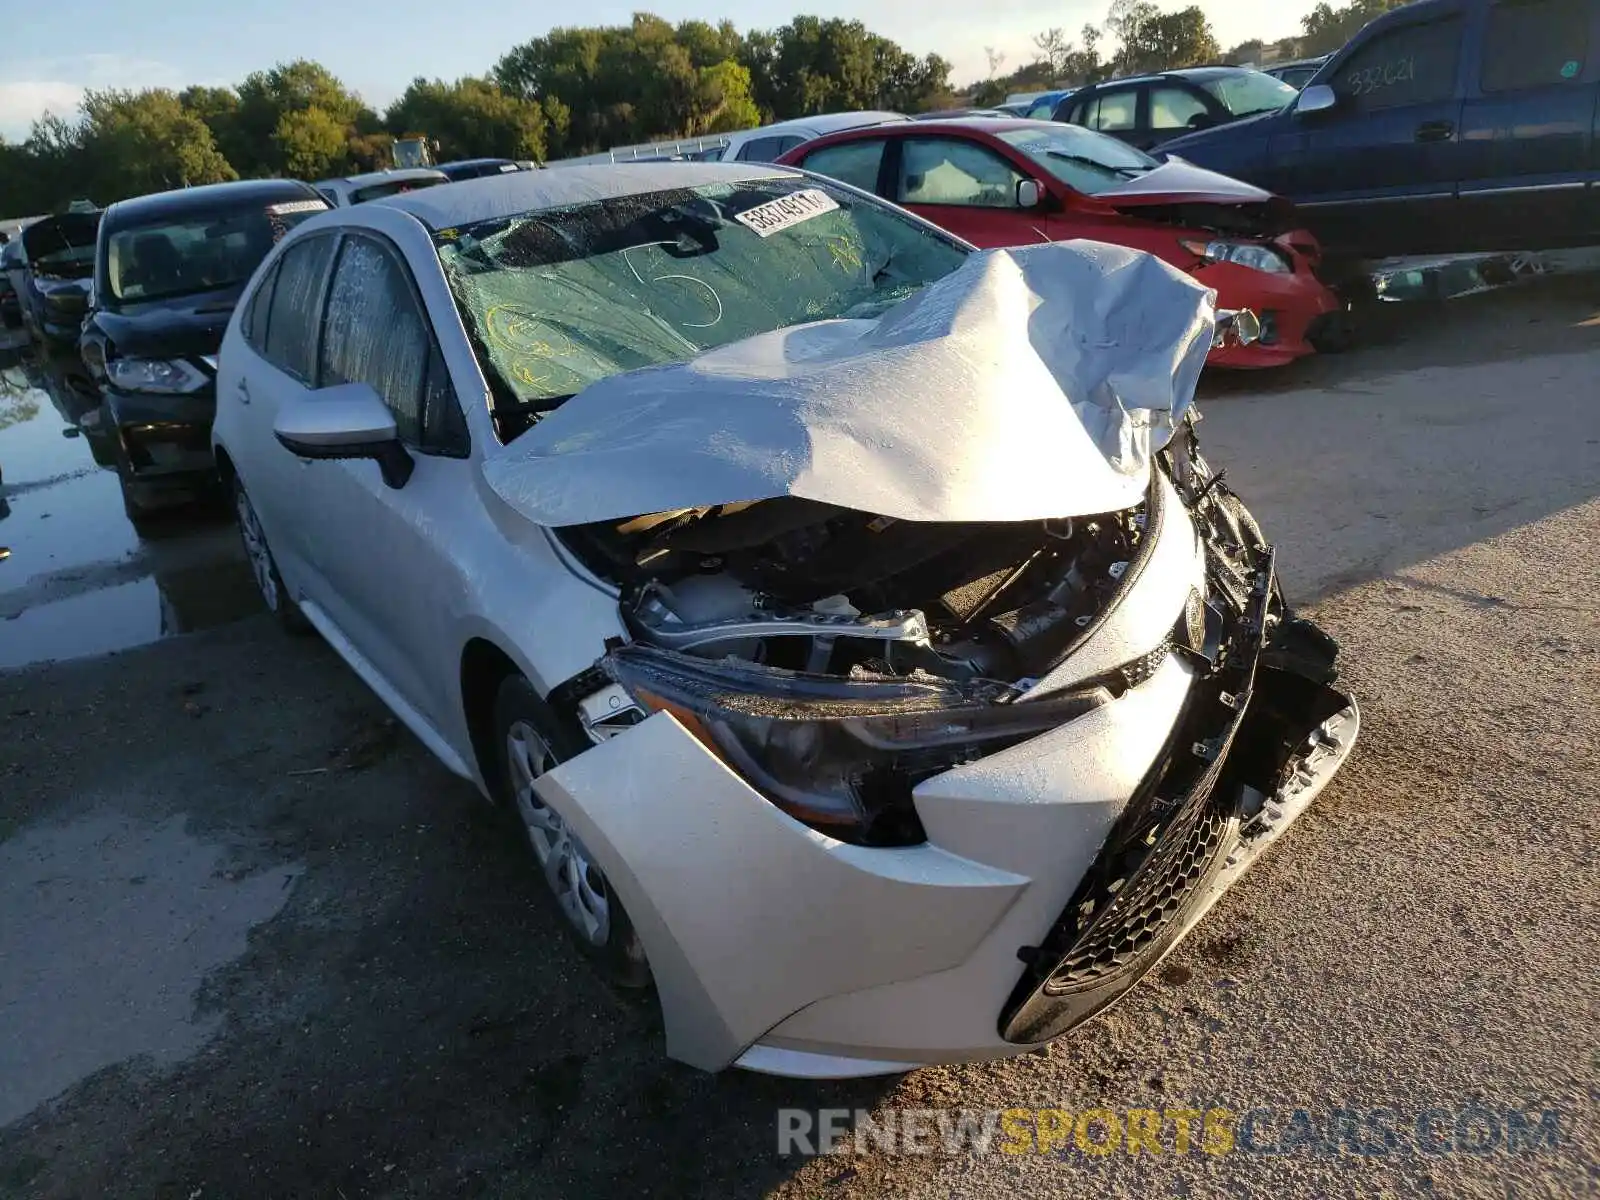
[875, 664]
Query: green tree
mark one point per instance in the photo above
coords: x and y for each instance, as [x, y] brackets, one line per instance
[218, 107]
[1156, 41]
[723, 102]
[1327, 28]
[310, 143]
[139, 142]
[266, 97]
[1246, 52]
[709, 44]
[470, 118]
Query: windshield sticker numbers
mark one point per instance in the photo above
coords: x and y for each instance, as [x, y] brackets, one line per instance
[1376, 78]
[786, 212]
[297, 206]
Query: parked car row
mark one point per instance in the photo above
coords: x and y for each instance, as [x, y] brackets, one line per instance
[143, 291]
[1016, 182]
[167, 272]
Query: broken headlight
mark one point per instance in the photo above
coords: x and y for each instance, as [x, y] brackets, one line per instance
[1256, 255]
[840, 754]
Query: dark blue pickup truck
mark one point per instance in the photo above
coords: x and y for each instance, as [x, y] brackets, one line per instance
[1444, 126]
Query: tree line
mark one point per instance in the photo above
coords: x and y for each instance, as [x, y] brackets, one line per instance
[1146, 39]
[575, 90]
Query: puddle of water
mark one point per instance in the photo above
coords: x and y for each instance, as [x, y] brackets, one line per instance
[78, 580]
[64, 510]
[111, 926]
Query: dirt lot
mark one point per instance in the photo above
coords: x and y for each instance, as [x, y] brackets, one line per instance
[254, 942]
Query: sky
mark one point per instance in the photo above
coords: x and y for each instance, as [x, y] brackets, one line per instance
[378, 46]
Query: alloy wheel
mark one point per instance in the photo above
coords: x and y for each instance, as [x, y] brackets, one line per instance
[255, 548]
[570, 873]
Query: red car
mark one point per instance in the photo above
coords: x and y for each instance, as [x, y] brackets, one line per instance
[1015, 182]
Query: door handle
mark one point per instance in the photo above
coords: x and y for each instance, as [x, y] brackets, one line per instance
[242, 392]
[1436, 131]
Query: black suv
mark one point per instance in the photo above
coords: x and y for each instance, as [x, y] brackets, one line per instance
[1150, 109]
[168, 270]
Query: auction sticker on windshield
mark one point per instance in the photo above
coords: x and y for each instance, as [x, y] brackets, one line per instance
[777, 215]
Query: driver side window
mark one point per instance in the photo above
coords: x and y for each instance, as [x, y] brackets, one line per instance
[375, 333]
[947, 171]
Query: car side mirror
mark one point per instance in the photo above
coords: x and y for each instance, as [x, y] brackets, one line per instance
[1028, 193]
[347, 420]
[1319, 97]
[1202, 121]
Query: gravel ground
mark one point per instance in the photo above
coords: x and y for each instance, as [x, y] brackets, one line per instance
[253, 941]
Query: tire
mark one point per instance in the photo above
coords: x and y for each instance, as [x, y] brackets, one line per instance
[529, 741]
[265, 568]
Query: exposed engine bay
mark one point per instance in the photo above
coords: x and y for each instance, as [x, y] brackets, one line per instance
[812, 643]
[803, 586]
[1270, 218]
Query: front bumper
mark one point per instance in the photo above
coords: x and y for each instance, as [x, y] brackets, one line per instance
[776, 948]
[1291, 308]
[163, 438]
[1258, 719]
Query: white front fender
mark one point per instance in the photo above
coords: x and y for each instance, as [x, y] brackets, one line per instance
[738, 904]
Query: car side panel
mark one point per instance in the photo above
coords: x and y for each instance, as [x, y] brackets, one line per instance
[1528, 156]
[1376, 181]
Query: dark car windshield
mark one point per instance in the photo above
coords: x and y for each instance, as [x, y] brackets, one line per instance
[392, 187]
[199, 253]
[1246, 93]
[560, 298]
[1081, 158]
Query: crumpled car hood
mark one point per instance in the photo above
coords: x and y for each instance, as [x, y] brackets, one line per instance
[1176, 182]
[1031, 383]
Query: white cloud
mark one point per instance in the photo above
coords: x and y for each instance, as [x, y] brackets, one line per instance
[29, 89]
[23, 102]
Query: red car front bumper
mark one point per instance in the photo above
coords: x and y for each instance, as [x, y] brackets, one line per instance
[1291, 306]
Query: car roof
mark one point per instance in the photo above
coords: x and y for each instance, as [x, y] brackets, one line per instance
[1194, 73]
[395, 175]
[184, 202]
[473, 162]
[960, 125]
[825, 123]
[474, 200]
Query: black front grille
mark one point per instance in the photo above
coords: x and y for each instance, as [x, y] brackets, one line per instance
[1159, 859]
[1149, 906]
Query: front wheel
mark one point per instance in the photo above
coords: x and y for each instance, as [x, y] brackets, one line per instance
[531, 743]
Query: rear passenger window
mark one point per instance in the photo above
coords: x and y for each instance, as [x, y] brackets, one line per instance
[1113, 112]
[291, 334]
[855, 163]
[1415, 64]
[1535, 43]
[254, 322]
[768, 149]
[374, 333]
